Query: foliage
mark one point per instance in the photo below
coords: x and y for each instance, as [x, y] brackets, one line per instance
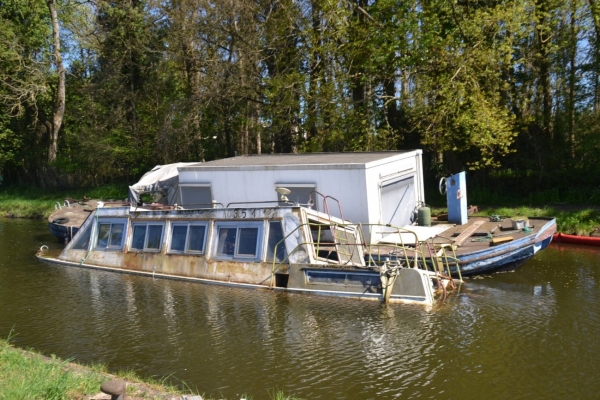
[511, 84]
[32, 202]
[33, 378]
[28, 375]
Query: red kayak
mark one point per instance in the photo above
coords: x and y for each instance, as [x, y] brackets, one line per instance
[585, 240]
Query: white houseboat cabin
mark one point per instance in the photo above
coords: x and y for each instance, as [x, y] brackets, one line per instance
[379, 187]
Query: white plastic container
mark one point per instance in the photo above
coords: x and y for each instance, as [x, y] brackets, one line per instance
[518, 223]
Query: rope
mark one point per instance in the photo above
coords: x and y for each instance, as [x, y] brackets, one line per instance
[483, 238]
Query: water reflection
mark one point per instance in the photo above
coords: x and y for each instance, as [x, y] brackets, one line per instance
[522, 334]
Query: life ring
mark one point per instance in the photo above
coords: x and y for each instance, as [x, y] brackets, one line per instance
[60, 221]
[442, 186]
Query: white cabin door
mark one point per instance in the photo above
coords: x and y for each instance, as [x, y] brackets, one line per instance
[398, 201]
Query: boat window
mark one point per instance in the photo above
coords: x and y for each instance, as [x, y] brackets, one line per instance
[320, 233]
[347, 245]
[139, 236]
[178, 237]
[110, 234]
[300, 193]
[196, 196]
[276, 252]
[342, 278]
[238, 241]
[188, 237]
[329, 278]
[154, 237]
[227, 239]
[197, 234]
[248, 239]
[147, 236]
[83, 239]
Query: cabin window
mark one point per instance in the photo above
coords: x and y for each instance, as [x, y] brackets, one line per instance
[238, 241]
[348, 248]
[342, 278]
[83, 239]
[276, 246]
[344, 237]
[327, 278]
[147, 236]
[300, 193]
[188, 237]
[196, 196]
[110, 234]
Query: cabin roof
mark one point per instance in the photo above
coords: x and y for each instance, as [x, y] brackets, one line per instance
[358, 159]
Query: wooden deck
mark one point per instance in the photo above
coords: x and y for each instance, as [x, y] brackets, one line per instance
[481, 245]
[66, 220]
[480, 233]
[74, 215]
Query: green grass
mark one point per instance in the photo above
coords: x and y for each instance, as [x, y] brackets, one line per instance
[577, 220]
[574, 220]
[577, 211]
[31, 377]
[29, 202]
[28, 375]
[279, 395]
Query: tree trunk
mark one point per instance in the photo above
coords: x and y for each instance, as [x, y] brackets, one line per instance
[572, 78]
[59, 108]
[596, 20]
[544, 37]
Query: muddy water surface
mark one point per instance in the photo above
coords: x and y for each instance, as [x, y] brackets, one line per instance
[528, 334]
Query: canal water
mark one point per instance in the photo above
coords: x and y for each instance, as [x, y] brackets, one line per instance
[533, 333]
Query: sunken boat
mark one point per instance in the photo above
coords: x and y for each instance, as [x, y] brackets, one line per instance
[289, 222]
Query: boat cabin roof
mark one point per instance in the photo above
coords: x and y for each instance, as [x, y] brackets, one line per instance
[295, 161]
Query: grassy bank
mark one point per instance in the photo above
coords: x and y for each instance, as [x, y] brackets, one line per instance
[577, 211]
[572, 219]
[29, 202]
[28, 375]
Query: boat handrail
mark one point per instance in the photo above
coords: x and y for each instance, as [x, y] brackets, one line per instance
[436, 251]
[210, 206]
[371, 258]
[441, 260]
[326, 204]
[300, 246]
[375, 254]
[253, 202]
[404, 247]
